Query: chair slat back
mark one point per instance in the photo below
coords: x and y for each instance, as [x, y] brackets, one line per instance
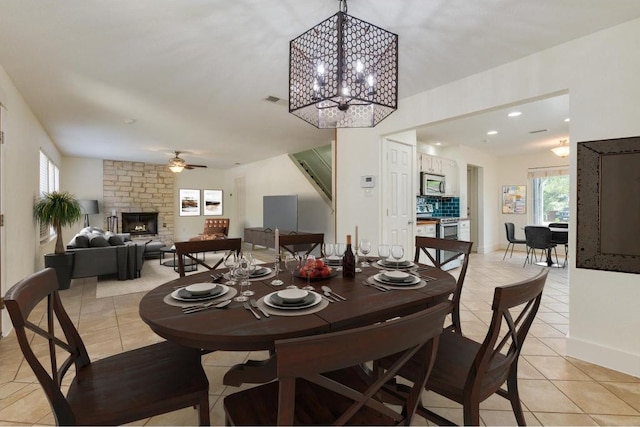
[216, 226]
[309, 357]
[296, 243]
[514, 309]
[191, 248]
[457, 249]
[24, 302]
[510, 230]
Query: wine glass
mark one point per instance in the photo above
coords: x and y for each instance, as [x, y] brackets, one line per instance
[328, 249]
[365, 248]
[309, 266]
[242, 273]
[231, 261]
[340, 250]
[291, 263]
[397, 252]
[384, 251]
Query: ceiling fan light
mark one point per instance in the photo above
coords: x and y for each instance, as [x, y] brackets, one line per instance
[175, 168]
[561, 150]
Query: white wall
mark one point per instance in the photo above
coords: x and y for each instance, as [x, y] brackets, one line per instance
[600, 72]
[277, 176]
[21, 249]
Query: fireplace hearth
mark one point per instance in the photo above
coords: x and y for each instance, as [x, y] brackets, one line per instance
[140, 223]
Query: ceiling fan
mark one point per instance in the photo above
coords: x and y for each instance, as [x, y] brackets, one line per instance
[177, 164]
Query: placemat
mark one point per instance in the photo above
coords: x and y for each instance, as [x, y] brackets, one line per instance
[418, 285]
[291, 313]
[232, 293]
[253, 279]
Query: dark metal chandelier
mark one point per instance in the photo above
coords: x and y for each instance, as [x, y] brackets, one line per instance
[343, 73]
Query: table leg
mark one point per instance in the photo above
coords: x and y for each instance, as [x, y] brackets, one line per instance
[253, 371]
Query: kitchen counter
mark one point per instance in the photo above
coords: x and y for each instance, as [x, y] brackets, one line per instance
[426, 221]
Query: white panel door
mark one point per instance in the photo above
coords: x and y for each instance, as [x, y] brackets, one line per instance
[399, 196]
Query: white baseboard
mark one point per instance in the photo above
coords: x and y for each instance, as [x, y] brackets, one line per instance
[608, 357]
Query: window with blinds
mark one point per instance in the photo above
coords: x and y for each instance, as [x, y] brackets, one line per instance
[550, 194]
[49, 181]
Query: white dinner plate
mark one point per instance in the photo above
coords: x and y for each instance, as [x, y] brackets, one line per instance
[379, 278]
[200, 288]
[175, 295]
[267, 300]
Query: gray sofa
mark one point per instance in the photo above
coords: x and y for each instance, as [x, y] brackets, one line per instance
[100, 253]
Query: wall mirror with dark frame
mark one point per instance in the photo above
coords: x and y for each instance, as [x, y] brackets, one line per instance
[608, 205]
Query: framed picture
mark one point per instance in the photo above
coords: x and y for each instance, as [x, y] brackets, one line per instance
[212, 202]
[189, 202]
[514, 199]
[608, 183]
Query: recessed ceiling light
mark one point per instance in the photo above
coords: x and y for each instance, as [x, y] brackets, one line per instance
[492, 132]
[129, 121]
[567, 119]
[438, 143]
[514, 114]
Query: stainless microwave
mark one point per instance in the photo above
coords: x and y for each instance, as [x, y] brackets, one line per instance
[432, 184]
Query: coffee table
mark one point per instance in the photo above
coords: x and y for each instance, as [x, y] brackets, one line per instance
[189, 264]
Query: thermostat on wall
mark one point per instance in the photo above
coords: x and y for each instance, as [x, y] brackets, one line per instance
[367, 181]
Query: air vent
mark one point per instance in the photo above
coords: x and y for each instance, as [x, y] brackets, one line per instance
[272, 99]
[539, 131]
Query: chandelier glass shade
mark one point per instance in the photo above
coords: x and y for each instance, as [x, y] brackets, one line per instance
[343, 73]
[561, 150]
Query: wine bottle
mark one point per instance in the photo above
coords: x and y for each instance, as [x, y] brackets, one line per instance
[348, 260]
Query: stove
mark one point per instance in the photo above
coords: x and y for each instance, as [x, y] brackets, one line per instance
[448, 220]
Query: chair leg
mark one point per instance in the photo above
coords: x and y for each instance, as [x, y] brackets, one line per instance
[471, 411]
[203, 410]
[514, 398]
[527, 258]
[507, 250]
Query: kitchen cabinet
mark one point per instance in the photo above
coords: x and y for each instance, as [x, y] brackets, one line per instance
[426, 230]
[464, 230]
[450, 171]
[431, 164]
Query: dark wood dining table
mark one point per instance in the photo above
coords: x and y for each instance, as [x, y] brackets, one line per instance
[234, 328]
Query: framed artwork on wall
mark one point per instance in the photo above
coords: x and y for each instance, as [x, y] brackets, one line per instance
[608, 184]
[212, 204]
[189, 202]
[514, 199]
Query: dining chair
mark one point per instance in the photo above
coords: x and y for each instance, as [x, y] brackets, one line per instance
[539, 238]
[118, 389]
[298, 243]
[510, 230]
[468, 372]
[560, 236]
[191, 248]
[450, 250]
[320, 379]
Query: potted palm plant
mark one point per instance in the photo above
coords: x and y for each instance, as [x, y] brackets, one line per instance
[58, 209]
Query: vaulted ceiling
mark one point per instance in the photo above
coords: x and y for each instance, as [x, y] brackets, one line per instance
[136, 80]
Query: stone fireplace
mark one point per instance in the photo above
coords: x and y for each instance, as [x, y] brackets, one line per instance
[134, 188]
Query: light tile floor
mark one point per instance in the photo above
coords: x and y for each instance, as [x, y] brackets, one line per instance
[555, 389]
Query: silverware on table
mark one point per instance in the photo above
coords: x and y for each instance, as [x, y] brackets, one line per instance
[326, 298]
[381, 288]
[248, 307]
[200, 307]
[254, 304]
[328, 290]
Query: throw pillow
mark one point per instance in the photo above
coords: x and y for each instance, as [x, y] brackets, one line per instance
[97, 241]
[116, 240]
[79, 241]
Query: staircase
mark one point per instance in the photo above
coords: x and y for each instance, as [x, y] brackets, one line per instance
[315, 164]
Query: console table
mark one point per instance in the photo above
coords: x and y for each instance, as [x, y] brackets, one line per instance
[265, 236]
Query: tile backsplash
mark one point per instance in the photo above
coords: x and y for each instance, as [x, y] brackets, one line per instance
[442, 206]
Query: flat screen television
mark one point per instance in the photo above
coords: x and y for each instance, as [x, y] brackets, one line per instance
[280, 212]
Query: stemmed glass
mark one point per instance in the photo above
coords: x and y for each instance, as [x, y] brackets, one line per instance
[291, 263]
[231, 261]
[309, 266]
[328, 249]
[340, 250]
[397, 252]
[383, 252]
[365, 248]
[242, 273]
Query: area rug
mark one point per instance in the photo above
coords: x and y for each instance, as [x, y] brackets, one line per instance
[153, 275]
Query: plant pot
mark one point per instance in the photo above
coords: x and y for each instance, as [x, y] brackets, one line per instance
[63, 264]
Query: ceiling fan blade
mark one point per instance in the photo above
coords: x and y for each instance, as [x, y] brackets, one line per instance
[194, 166]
